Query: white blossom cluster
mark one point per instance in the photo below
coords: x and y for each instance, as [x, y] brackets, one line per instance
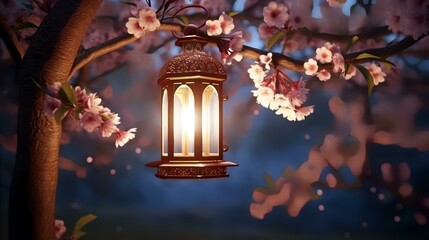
[277, 91]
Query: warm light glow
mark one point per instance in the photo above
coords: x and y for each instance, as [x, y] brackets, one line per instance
[210, 122]
[184, 121]
[164, 123]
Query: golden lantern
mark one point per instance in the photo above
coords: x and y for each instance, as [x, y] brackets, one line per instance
[192, 111]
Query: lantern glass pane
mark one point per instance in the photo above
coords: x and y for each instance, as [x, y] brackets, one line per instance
[165, 123]
[210, 122]
[184, 121]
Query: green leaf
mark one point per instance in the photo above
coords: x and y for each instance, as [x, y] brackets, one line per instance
[77, 233]
[288, 174]
[346, 68]
[184, 19]
[264, 190]
[366, 56]
[36, 83]
[60, 113]
[367, 75]
[67, 95]
[129, 3]
[374, 58]
[75, 113]
[232, 14]
[274, 39]
[269, 180]
[352, 41]
[25, 25]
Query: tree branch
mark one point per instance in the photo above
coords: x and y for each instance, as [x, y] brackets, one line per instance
[247, 51]
[387, 51]
[112, 45]
[371, 33]
[11, 41]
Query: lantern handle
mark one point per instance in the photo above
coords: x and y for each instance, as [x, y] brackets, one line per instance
[191, 6]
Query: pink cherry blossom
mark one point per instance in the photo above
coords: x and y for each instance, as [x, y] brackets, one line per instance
[80, 94]
[60, 229]
[298, 95]
[303, 112]
[259, 210]
[133, 27]
[407, 17]
[280, 101]
[226, 23]
[324, 75]
[265, 31]
[311, 67]
[299, 14]
[110, 120]
[386, 172]
[331, 180]
[54, 88]
[232, 50]
[139, 6]
[123, 137]
[287, 113]
[90, 121]
[237, 41]
[404, 171]
[291, 45]
[233, 56]
[276, 14]
[51, 105]
[148, 20]
[92, 116]
[259, 196]
[332, 47]
[377, 74]
[338, 61]
[351, 72]
[213, 27]
[264, 96]
[324, 55]
[266, 59]
[92, 103]
[257, 74]
[107, 129]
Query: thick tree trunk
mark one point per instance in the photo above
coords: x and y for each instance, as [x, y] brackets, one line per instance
[48, 59]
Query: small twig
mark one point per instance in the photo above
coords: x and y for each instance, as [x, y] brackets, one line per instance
[108, 71]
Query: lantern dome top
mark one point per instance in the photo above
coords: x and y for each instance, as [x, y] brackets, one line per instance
[192, 61]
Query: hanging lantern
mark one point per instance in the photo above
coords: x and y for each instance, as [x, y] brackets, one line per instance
[192, 129]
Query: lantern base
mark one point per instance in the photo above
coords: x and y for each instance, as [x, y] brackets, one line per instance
[194, 170]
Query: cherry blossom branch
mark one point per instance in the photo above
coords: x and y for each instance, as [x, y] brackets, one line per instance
[376, 31]
[11, 41]
[385, 52]
[247, 51]
[112, 45]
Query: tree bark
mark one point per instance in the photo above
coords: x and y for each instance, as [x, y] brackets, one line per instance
[48, 59]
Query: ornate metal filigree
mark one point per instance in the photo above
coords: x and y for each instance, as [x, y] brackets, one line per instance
[191, 172]
[193, 60]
